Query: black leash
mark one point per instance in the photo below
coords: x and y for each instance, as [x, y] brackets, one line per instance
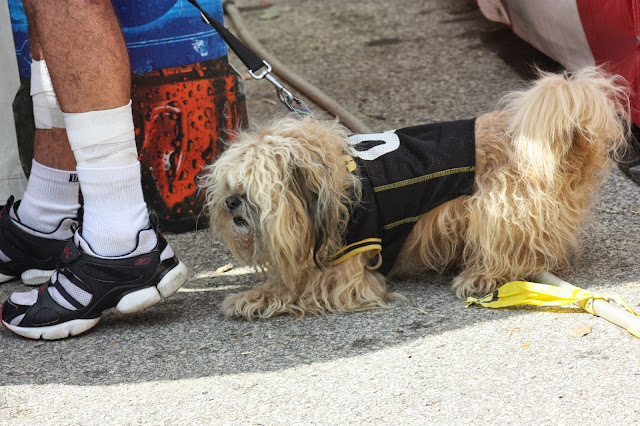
[254, 64]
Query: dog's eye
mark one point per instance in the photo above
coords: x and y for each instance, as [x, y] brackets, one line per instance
[239, 221]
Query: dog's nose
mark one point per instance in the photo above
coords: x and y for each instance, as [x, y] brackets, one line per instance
[233, 202]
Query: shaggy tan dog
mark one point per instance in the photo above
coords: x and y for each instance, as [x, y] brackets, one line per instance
[282, 198]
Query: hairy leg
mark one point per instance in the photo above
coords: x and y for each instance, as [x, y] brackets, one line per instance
[51, 146]
[85, 52]
[52, 149]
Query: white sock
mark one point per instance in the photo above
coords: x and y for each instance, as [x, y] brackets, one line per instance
[103, 143]
[51, 196]
[114, 208]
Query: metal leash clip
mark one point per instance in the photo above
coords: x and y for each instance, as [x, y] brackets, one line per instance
[294, 104]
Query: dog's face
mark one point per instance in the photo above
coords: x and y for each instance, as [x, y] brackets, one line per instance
[280, 197]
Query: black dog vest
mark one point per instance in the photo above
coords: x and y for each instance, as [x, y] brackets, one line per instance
[405, 173]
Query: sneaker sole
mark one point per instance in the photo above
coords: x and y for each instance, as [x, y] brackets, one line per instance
[54, 332]
[30, 276]
[170, 283]
[4, 278]
[132, 302]
[36, 276]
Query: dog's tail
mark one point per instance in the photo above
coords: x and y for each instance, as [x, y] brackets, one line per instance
[563, 113]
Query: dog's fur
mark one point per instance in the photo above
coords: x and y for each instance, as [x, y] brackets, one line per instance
[540, 160]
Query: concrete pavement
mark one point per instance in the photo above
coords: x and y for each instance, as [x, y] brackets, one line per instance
[428, 361]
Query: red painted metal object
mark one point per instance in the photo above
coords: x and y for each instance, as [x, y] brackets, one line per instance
[184, 116]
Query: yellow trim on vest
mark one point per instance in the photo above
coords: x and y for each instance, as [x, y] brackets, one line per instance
[376, 244]
[376, 247]
[367, 240]
[424, 178]
[413, 219]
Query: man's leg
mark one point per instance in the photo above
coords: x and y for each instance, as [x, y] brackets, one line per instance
[52, 193]
[116, 259]
[85, 52]
[35, 230]
[51, 147]
[89, 66]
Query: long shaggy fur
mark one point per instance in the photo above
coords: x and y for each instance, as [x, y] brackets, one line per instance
[280, 198]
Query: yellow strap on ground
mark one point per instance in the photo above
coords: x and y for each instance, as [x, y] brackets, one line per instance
[517, 293]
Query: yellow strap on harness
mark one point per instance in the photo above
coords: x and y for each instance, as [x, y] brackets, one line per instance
[526, 293]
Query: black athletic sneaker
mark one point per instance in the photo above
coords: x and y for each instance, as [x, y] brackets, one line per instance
[85, 285]
[27, 253]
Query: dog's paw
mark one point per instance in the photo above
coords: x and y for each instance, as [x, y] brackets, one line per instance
[466, 286]
[254, 304]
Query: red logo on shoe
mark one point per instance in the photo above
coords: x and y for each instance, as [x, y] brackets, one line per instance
[142, 261]
[42, 288]
[67, 251]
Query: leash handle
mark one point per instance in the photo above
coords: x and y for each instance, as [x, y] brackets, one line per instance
[254, 64]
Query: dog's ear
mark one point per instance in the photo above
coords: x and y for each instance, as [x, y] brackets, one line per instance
[327, 191]
[319, 220]
[287, 226]
[312, 191]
